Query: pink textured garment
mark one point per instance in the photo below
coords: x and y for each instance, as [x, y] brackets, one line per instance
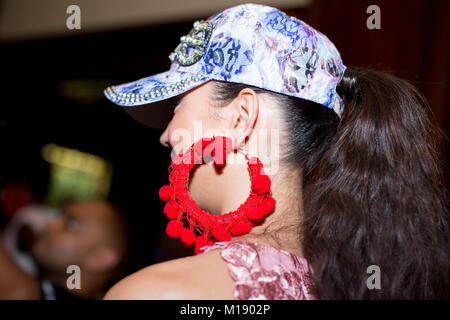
[263, 272]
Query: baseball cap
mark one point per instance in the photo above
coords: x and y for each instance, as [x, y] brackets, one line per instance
[249, 44]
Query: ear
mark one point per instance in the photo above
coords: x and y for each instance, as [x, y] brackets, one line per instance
[245, 113]
[101, 259]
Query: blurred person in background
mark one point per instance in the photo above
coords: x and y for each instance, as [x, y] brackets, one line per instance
[90, 234]
[22, 228]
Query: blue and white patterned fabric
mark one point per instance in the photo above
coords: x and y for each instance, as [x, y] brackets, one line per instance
[251, 44]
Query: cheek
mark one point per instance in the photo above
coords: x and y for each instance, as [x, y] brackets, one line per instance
[181, 132]
[189, 124]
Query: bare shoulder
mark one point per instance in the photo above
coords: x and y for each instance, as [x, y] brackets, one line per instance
[203, 276]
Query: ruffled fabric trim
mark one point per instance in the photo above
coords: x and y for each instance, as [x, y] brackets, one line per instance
[262, 272]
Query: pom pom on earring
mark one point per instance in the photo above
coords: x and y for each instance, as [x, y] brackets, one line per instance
[261, 183]
[220, 233]
[224, 144]
[202, 144]
[174, 228]
[268, 204]
[241, 228]
[192, 158]
[220, 158]
[201, 242]
[165, 193]
[170, 211]
[187, 237]
[255, 214]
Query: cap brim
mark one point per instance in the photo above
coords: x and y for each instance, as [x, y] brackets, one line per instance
[148, 100]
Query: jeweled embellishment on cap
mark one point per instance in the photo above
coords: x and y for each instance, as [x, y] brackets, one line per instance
[197, 39]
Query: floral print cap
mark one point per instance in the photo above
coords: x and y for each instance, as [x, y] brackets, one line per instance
[251, 44]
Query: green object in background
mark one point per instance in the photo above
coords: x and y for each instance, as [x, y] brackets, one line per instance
[75, 175]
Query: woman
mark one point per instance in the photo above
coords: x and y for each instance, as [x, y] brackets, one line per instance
[352, 161]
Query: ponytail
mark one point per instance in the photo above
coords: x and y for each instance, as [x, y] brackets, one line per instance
[377, 196]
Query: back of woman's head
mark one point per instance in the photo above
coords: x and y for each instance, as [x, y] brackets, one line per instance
[378, 196]
[373, 188]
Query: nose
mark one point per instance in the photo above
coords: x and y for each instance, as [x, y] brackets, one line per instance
[164, 139]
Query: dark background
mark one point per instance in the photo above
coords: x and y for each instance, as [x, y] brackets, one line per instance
[37, 106]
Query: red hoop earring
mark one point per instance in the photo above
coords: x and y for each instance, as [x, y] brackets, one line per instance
[196, 226]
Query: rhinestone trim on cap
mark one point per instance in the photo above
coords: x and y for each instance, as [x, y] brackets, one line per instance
[156, 94]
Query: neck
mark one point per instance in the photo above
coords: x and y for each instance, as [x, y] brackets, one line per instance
[281, 228]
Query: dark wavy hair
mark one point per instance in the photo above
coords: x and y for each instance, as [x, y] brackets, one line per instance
[373, 188]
